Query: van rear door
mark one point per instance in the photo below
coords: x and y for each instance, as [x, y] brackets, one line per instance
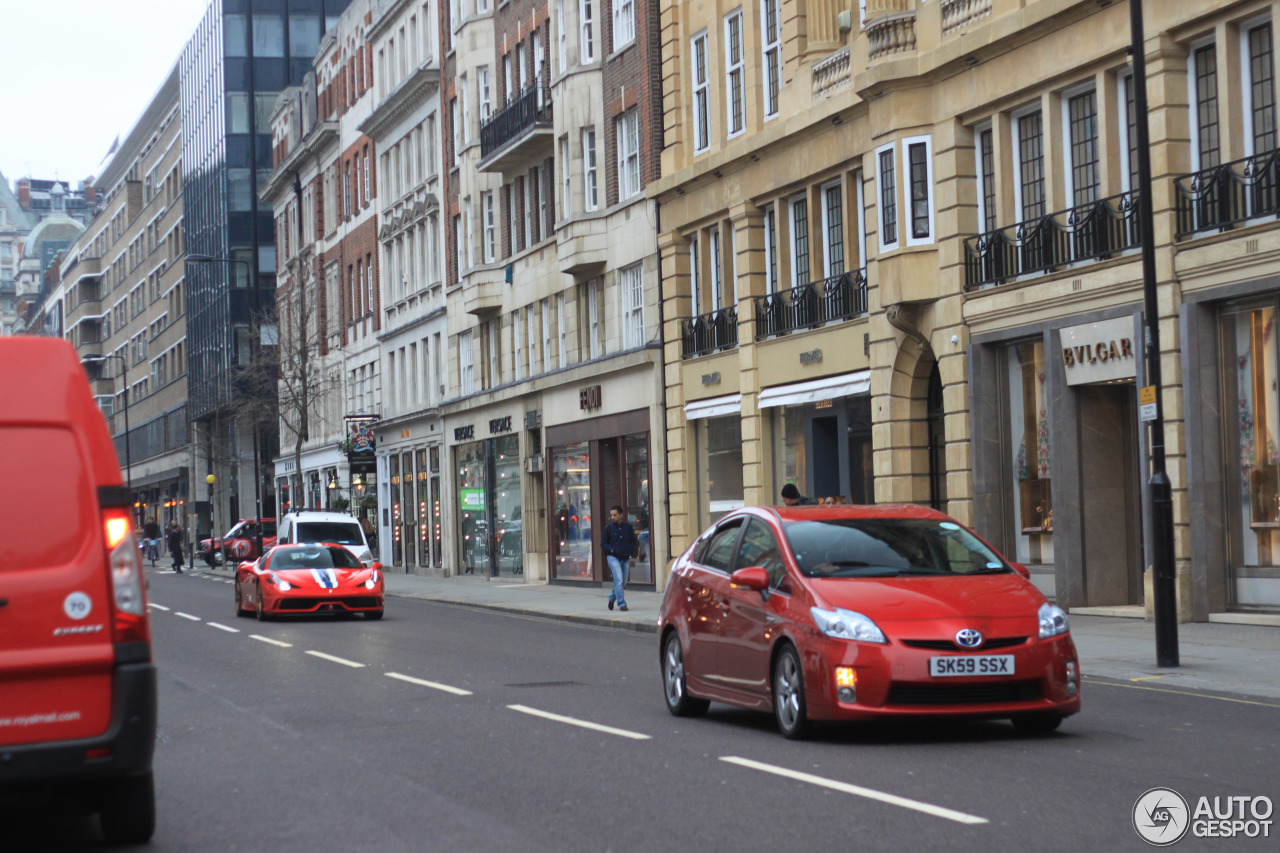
[56, 653]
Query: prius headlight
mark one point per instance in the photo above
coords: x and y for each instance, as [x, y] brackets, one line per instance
[1053, 620]
[847, 625]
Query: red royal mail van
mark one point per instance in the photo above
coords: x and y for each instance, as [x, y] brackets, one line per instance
[77, 685]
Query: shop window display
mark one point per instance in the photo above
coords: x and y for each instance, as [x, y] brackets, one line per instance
[571, 473]
[1250, 337]
[474, 523]
[721, 465]
[1031, 457]
[637, 506]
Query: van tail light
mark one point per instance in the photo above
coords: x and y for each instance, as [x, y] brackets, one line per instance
[129, 631]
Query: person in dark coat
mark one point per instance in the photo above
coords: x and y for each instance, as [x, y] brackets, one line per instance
[791, 496]
[174, 540]
[151, 530]
[618, 543]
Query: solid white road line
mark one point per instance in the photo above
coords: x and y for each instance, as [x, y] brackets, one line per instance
[342, 661]
[857, 791]
[186, 616]
[226, 628]
[156, 606]
[262, 639]
[546, 715]
[434, 685]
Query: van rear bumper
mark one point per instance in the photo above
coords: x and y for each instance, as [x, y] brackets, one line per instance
[131, 739]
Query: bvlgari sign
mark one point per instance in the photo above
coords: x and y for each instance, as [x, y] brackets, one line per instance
[1099, 352]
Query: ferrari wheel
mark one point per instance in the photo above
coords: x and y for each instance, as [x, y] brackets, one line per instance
[373, 614]
[788, 695]
[240, 611]
[262, 615]
[675, 686]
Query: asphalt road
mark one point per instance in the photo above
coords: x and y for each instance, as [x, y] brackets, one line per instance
[452, 729]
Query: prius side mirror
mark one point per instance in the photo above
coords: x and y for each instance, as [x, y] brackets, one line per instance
[752, 577]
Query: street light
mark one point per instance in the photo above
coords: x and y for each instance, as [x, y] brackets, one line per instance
[124, 373]
[253, 281]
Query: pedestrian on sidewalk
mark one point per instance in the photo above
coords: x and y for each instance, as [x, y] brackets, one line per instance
[619, 544]
[174, 540]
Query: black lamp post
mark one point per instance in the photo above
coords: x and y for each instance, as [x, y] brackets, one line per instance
[124, 373]
[257, 476]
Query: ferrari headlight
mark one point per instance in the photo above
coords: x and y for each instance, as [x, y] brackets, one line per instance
[372, 581]
[284, 585]
[1053, 620]
[847, 625]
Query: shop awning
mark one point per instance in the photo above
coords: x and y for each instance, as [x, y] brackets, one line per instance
[729, 404]
[828, 388]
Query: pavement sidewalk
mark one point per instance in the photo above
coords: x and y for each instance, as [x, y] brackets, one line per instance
[1227, 658]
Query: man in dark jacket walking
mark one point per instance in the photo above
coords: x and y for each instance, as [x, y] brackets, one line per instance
[618, 543]
[173, 539]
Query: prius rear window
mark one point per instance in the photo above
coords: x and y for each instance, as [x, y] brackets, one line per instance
[330, 531]
[46, 507]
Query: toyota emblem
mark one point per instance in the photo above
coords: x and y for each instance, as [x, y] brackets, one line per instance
[968, 638]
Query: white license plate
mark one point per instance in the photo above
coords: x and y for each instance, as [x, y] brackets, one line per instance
[971, 665]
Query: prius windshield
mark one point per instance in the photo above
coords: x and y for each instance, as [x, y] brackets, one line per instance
[889, 547]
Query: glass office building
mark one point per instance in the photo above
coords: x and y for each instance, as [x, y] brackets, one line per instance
[242, 55]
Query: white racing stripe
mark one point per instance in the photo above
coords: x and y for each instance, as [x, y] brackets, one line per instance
[857, 791]
[226, 628]
[595, 727]
[342, 661]
[186, 616]
[434, 685]
[262, 639]
[156, 606]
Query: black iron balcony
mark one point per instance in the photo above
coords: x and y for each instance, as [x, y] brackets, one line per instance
[1085, 233]
[531, 108]
[708, 333]
[830, 300]
[1227, 195]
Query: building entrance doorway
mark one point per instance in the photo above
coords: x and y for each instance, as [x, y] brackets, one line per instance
[1111, 510]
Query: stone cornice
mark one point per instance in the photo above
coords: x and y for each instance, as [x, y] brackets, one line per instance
[407, 97]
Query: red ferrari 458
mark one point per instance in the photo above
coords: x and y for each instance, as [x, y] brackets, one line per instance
[308, 578]
[858, 612]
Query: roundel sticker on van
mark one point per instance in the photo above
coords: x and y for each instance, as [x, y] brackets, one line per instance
[240, 548]
[77, 605]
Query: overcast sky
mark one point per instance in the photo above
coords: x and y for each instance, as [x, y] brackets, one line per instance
[74, 74]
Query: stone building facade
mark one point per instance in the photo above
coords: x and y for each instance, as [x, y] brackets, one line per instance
[901, 263]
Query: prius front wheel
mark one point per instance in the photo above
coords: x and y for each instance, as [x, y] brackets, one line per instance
[788, 695]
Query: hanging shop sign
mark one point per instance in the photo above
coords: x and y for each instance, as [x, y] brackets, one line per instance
[1099, 352]
[360, 441]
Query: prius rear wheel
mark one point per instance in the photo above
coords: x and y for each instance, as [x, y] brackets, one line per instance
[675, 684]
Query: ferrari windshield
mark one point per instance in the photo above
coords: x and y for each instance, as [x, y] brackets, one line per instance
[318, 557]
[889, 547]
[344, 533]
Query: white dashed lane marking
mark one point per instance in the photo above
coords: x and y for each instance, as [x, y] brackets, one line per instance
[262, 639]
[595, 727]
[226, 628]
[186, 616]
[156, 606]
[855, 790]
[335, 659]
[434, 685]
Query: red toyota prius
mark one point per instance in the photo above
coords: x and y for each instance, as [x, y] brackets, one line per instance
[858, 612]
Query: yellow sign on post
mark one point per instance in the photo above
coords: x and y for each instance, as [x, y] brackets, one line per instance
[1147, 403]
